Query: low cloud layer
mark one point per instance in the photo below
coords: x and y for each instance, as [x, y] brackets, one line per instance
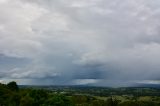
[97, 42]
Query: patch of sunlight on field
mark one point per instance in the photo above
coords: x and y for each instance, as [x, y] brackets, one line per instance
[121, 98]
[144, 98]
[101, 98]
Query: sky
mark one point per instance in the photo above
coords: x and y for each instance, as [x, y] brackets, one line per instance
[80, 42]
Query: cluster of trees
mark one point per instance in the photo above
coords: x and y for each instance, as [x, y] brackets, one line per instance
[11, 95]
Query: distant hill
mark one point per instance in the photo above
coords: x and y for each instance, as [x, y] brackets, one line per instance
[148, 85]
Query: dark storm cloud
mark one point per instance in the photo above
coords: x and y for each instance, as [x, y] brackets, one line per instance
[80, 42]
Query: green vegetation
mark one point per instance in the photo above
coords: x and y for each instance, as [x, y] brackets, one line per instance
[12, 95]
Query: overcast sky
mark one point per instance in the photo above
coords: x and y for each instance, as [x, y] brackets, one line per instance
[95, 42]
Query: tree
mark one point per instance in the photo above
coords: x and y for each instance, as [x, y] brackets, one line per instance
[26, 101]
[13, 86]
[39, 96]
[112, 102]
[58, 100]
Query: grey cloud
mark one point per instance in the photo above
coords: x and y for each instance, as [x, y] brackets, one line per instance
[70, 42]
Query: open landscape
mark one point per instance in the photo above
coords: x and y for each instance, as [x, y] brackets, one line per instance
[13, 95]
[79, 52]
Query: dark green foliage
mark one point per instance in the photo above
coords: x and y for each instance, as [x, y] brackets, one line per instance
[58, 100]
[97, 103]
[26, 101]
[13, 86]
[138, 103]
[8, 97]
[39, 96]
[79, 99]
[112, 102]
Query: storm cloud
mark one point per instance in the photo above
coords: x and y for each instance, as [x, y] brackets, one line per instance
[97, 42]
